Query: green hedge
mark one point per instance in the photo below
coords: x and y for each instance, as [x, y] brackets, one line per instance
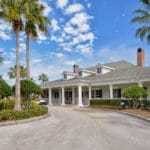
[115, 104]
[6, 104]
[35, 110]
[112, 104]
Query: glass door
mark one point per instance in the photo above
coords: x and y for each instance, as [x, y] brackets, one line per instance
[68, 97]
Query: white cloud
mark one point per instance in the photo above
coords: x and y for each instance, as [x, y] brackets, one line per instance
[4, 28]
[4, 35]
[80, 18]
[59, 55]
[121, 52]
[69, 62]
[88, 5]
[35, 61]
[89, 36]
[41, 37]
[22, 47]
[74, 8]
[84, 49]
[61, 3]
[47, 9]
[55, 25]
[84, 28]
[76, 34]
[70, 30]
[7, 62]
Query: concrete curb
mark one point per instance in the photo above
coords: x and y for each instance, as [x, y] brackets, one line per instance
[16, 122]
[126, 113]
[136, 116]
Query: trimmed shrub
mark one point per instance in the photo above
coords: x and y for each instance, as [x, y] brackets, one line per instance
[6, 104]
[28, 88]
[107, 103]
[116, 104]
[134, 93]
[5, 89]
[35, 110]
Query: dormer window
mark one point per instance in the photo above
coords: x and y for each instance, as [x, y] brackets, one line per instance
[99, 70]
[80, 73]
[65, 76]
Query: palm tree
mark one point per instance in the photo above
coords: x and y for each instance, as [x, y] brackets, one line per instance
[34, 19]
[143, 18]
[12, 72]
[1, 58]
[43, 77]
[11, 11]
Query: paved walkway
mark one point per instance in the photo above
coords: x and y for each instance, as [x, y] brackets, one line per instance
[78, 129]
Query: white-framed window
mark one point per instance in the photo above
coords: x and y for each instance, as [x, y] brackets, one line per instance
[97, 93]
[80, 73]
[116, 93]
[65, 76]
[56, 94]
[99, 70]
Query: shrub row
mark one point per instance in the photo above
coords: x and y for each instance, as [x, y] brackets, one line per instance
[113, 104]
[35, 110]
[116, 104]
[6, 104]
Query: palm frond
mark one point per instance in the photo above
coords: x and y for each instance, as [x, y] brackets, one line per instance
[146, 2]
[141, 32]
[148, 38]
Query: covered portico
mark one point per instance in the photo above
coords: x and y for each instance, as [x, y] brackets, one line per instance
[80, 93]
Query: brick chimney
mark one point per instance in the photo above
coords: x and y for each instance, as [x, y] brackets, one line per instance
[75, 68]
[140, 57]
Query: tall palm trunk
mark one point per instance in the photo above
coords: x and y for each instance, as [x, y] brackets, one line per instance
[27, 57]
[17, 89]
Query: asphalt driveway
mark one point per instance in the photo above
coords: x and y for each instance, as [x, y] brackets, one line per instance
[78, 129]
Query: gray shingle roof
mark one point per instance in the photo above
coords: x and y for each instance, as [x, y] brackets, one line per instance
[122, 73]
[123, 70]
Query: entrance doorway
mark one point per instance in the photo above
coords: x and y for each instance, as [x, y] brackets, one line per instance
[68, 97]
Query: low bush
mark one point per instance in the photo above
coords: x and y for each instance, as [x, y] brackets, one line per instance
[35, 110]
[5, 89]
[116, 104]
[6, 104]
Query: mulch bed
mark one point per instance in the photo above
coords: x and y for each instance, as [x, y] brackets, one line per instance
[140, 112]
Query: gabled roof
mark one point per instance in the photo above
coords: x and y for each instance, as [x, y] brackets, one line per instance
[115, 65]
[123, 70]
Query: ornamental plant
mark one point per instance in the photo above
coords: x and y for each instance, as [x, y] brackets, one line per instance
[134, 93]
[5, 89]
[28, 88]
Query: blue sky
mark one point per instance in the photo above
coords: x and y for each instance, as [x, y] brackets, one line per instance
[83, 32]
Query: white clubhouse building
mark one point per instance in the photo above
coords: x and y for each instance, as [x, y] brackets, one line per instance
[102, 81]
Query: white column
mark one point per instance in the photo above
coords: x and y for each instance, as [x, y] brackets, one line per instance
[111, 91]
[73, 96]
[63, 96]
[80, 95]
[50, 96]
[140, 84]
[89, 92]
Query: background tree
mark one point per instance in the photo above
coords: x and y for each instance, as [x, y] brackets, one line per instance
[12, 72]
[34, 21]
[134, 93]
[43, 77]
[28, 87]
[143, 17]
[1, 58]
[11, 11]
[5, 89]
